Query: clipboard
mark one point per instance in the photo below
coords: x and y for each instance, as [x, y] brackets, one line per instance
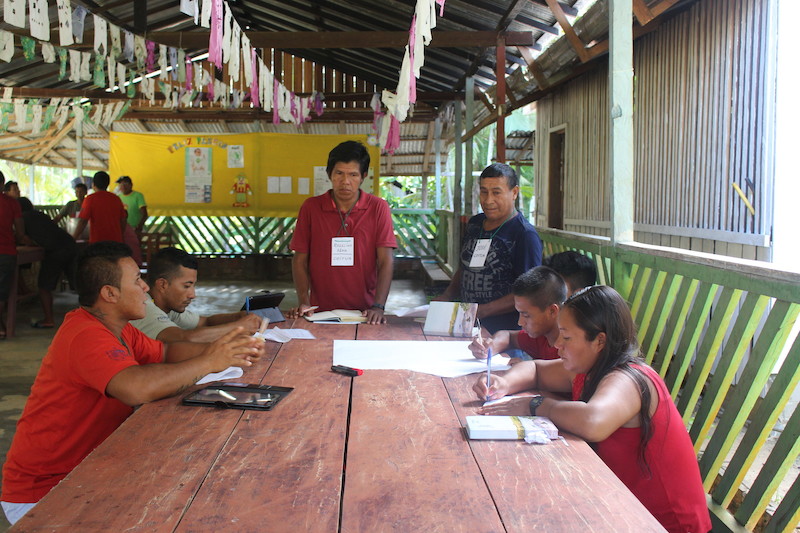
[238, 396]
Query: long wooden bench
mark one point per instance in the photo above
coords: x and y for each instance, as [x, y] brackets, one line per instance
[721, 333]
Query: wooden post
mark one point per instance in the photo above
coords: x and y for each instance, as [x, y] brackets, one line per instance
[621, 108]
[500, 99]
[437, 143]
[458, 176]
[469, 188]
[424, 191]
[79, 147]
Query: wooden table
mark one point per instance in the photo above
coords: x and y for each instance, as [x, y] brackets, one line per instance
[381, 452]
[25, 256]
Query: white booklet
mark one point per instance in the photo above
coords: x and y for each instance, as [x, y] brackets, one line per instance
[337, 315]
[511, 428]
[450, 319]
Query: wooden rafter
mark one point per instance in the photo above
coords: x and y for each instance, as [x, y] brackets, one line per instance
[569, 31]
[285, 40]
[53, 141]
[533, 67]
[645, 14]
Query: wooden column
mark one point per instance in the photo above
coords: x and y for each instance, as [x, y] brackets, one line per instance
[437, 146]
[469, 188]
[79, 147]
[621, 145]
[500, 99]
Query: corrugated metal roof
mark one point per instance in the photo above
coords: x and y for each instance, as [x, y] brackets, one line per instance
[347, 76]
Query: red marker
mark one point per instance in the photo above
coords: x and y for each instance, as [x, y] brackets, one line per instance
[347, 371]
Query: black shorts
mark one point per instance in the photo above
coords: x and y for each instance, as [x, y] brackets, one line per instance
[7, 265]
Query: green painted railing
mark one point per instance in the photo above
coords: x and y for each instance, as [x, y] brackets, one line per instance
[415, 230]
[721, 334]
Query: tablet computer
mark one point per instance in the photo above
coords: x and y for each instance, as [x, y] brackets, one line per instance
[238, 396]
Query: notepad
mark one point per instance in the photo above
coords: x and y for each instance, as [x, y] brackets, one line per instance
[509, 427]
[337, 315]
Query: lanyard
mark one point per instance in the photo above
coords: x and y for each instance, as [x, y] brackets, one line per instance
[498, 227]
[343, 219]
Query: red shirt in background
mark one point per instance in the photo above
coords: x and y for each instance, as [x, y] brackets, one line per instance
[104, 211]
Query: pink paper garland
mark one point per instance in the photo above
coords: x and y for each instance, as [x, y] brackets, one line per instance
[276, 118]
[150, 62]
[215, 37]
[412, 82]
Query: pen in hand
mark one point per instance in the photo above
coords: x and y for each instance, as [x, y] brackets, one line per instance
[488, 372]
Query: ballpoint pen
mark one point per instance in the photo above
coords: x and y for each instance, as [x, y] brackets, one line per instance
[488, 371]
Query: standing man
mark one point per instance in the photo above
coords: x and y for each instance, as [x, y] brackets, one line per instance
[134, 203]
[137, 214]
[103, 211]
[343, 242]
[73, 207]
[96, 370]
[12, 231]
[498, 246]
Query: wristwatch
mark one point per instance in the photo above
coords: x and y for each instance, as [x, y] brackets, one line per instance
[536, 401]
[379, 306]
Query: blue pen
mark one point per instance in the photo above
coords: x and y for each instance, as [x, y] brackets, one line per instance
[488, 370]
[247, 304]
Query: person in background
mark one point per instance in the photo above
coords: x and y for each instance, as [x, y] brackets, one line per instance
[343, 242]
[577, 270]
[136, 207]
[97, 369]
[60, 251]
[172, 275]
[73, 207]
[11, 188]
[12, 231]
[498, 246]
[103, 211]
[618, 403]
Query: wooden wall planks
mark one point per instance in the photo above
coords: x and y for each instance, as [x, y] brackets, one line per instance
[700, 125]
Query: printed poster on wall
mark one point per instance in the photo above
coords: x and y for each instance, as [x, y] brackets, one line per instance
[197, 175]
[235, 156]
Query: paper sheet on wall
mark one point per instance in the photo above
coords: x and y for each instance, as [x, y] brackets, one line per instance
[235, 156]
[14, 12]
[447, 359]
[304, 186]
[197, 175]
[321, 181]
[39, 19]
[286, 184]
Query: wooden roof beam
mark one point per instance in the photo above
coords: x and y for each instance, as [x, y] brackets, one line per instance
[53, 141]
[347, 39]
[533, 67]
[645, 14]
[569, 31]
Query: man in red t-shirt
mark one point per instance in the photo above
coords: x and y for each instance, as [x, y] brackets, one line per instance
[96, 370]
[343, 242]
[538, 295]
[103, 211]
[12, 231]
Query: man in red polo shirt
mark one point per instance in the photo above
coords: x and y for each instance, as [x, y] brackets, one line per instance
[343, 242]
[103, 211]
[12, 231]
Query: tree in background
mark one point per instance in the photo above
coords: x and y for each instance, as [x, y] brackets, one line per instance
[51, 185]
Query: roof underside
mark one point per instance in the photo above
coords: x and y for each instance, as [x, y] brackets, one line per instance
[311, 46]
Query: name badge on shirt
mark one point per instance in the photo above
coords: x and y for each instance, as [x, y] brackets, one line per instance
[342, 251]
[481, 252]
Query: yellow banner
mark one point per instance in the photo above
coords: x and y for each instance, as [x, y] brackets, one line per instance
[249, 174]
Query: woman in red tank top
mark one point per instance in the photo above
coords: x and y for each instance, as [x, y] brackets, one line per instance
[618, 403]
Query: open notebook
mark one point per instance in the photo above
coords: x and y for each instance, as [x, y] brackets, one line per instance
[338, 315]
